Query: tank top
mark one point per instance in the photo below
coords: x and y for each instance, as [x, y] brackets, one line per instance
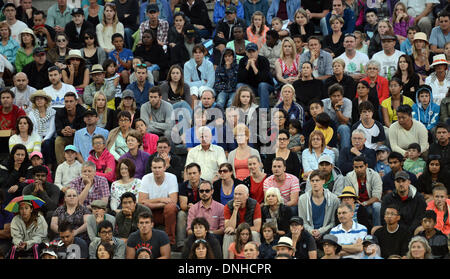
[241, 169]
[289, 71]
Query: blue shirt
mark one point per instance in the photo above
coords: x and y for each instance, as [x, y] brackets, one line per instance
[140, 96]
[224, 199]
[318, 213]
[83, 140]
[438, 38]
[406, 47]
[10, 50]
[126, 55]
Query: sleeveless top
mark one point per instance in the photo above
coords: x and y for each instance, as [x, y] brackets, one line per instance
[241, 169]
[289, 71]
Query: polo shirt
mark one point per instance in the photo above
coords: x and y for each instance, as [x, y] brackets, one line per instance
[305, 244]
[346, 109]
[349, 237]
[290, 185]
[56, 18]
[438, 38]
[83, 140]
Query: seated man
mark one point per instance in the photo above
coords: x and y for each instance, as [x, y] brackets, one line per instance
[395, 161]
[334, 180]
[57, 89]
[99, 83]
[98, 215]
[214, 113]
[358, 148]
[127, 218]
[76, 28]
[22, 91]
[8, 117]
[157, 241]
[271, 49]
[316, 203]
[368, 187]
[73, 247]
[37, 71]
[341, 9]
[159, 192]
[254, 71]
[339, 109]
[406, 131]
[141, 86]
[349, 197]
[441, 145]
[437, 240]
[350, 234]
[45, 34]
[321, 59]
[235, 213]
[388, 57]
[440, 34]
[226, 24]
[173, 162]
[105, 234]
[157, 113]
[303, 241]
[209, 156]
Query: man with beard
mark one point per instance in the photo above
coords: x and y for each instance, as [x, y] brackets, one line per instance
[22, 90]
[441, 147]
[157, 114]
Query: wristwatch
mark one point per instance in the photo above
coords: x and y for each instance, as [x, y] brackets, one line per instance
[364, 203]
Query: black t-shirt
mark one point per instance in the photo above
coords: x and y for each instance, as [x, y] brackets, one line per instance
[393, 243]
[316, 6]
[159, 239]
[305, 244]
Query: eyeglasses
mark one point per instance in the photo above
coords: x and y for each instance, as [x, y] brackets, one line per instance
[223, 171]
[390, 214]
[98, 143]
[106, 232]
[204, 191]
[370, 68]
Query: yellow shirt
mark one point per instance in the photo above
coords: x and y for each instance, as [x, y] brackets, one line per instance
[328, 133]
[387, 103]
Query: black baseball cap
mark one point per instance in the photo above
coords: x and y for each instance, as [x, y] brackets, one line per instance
[189, 30]
[77, 11]
[152, 8]
[90, 112]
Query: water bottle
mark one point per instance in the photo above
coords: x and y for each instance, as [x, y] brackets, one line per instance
[382, 170]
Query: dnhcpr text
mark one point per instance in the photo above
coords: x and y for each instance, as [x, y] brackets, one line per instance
[226, 269]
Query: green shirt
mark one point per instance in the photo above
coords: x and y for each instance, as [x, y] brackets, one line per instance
[331, 180]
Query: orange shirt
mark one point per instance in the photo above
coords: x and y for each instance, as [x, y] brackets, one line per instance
[444, 228]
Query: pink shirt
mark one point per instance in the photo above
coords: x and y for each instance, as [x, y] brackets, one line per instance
[149, 143]
[291, 185]
[214, 215]
[241, 169]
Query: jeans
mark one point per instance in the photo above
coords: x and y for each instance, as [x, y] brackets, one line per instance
[225, 99]
[48, 151]
[345, 133]
[323, 26]
[203, 33]
[294, 210]
[129, 41]
[182, 111]
[374, 210]
[263, 92]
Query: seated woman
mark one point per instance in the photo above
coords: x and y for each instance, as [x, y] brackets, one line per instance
[128, 104]
[108, 26]
[224, 187]
[199, 230]
[28, 231]
[93, 12]
[76, 73]
[201, 250]
[335, 40]
[116, 143]
[256, 31]
[307, 86]
[152, 53]
[149, 140]
[279, 122]
[15, 172]
[176, 34]
[8, 46]
[255, 180]
[434, 172]
[390, 105]
[245, 101]
[400, 20]
[91, 51]
[293, 165]
[294, 110]
[239, 42]
[106, 116]
[274, 211]
[311, 155]
[364, 94]
[25, 135]
[71, 211]
[377, 82]
[405, 72]
[140, 158]
[238, 158]
[103, 160]
[301, 26]
[57, 55]
[421, 55]
[24, 54]
[125, 182]
[243, 236]
[287, 66]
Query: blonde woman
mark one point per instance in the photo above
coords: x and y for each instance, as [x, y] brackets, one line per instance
[287, 66]
[421, 55]
[256, 32]
[105, 114]
[419, 249]
[335, 40]
[276, 211]
[109, 25]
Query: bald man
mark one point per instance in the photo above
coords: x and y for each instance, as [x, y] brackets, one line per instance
[22, 90]
[240, 209]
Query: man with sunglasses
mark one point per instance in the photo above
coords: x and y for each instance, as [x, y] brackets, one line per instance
[37, 71]
[76, 28]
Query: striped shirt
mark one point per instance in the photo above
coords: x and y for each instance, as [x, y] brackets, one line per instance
[349, 237]
[290, 185]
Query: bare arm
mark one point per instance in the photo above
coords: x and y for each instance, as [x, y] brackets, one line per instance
[256, 225]
[130, 253]
[165, 252]
[83, 227]
[6, 232]
[54, 224]
[294, 199]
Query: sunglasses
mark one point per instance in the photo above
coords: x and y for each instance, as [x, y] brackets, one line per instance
[223, 171]
[88, 38]
[61, 41]
[200, 241]
[204, 191]
[141, 65]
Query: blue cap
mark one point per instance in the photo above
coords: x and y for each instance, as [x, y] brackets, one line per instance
[251, 46]
[71, 147]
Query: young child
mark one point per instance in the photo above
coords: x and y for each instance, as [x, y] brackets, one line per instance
[256, 32]
[371, 23]
[37, 160]
[424, 110]
[277, 25]
[269, 232]
[299, 44]
[226, 79]
[414, 163]
[69, 169]
[436, 239]
[149, 140]
[297, 140]
[111, 75]
[406, 45]
[323, 124]
[122, 56]
[382, 166]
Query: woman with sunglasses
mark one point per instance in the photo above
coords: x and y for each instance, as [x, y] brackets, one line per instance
[57, 55]
[433, 173]
[71, 211]
[76, 73]
[201, 234]
[91, 50]
[224, 187]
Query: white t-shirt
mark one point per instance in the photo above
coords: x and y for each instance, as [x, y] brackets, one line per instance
[154, 191]
[371, 132]
[354, 65]
[58, 95]
[16, 28]
[439, 90]
[388, 63]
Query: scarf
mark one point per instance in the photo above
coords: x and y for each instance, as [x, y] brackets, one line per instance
[43, 121]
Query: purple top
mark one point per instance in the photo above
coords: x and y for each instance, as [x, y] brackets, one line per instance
[401, 28]
[140, 161]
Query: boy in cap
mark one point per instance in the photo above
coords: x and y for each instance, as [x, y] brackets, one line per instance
[437, 240]
[76, 28]
[69, 169]
[370, 248]
[303, 241]
[414, 163]
[382, 166]
[155, 23]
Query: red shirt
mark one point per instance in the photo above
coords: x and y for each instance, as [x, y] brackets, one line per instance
[8, 121]
[363, 194]
[256, 215]
[256, 189]
[282, 10]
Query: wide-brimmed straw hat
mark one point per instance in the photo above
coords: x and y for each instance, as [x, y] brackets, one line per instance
[438, 60]
[74, 53]
[40, 93]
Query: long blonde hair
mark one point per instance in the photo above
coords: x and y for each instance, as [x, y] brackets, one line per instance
[294, 49]
[94, 105]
